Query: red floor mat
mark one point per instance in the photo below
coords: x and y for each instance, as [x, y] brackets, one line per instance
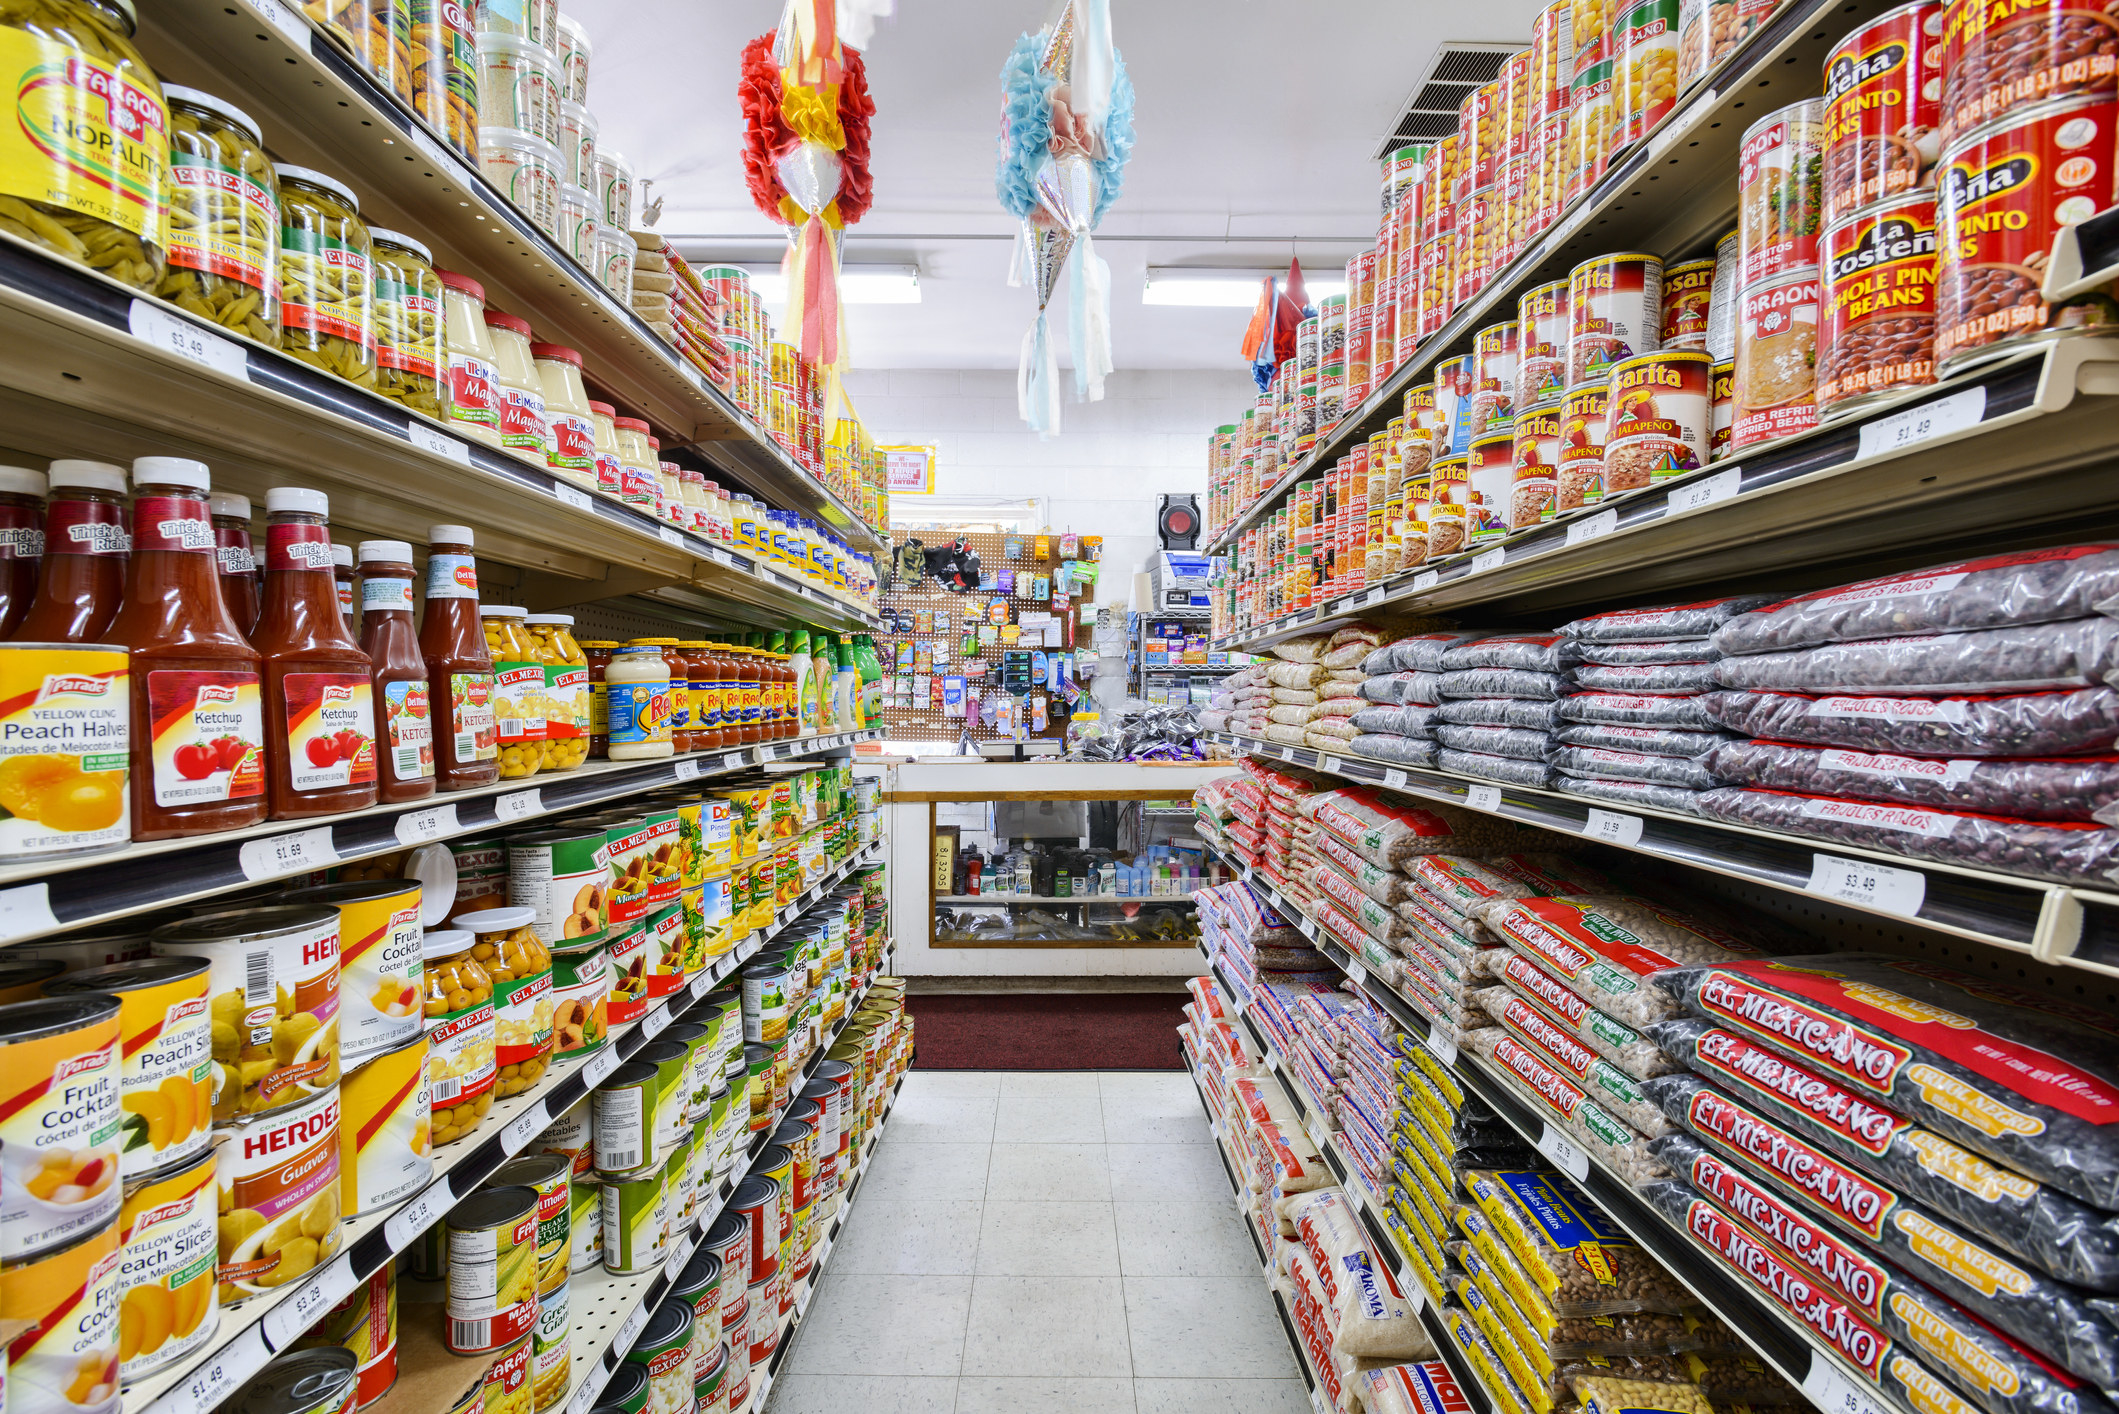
[1047, 1031]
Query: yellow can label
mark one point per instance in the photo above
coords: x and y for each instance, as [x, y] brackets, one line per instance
[87, 138]
[168, 1227]
[65, 717]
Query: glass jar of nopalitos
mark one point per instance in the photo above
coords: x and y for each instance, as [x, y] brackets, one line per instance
[327, 308]
[224, 217]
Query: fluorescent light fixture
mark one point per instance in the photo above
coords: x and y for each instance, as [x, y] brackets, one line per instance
[858, 284]
[1222, 289]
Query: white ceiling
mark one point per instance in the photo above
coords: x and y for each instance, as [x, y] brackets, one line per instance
[1256, 119]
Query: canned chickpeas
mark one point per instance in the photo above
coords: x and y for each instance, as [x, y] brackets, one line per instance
[508, 950]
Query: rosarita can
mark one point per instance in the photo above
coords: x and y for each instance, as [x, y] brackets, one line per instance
[1656, 418]
[1614, 311]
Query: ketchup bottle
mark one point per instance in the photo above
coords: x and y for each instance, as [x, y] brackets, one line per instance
[459, 670]
[81, 579]
[21, 542]
[198, 758]
[319, 686]
[404, 720]
[238, 558]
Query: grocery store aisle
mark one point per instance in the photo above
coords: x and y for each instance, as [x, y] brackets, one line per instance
[1056, 1242]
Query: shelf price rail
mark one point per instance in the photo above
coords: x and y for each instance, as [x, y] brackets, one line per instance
[1803, 1358]
[2054, 923]
[251, 1334]
[1811, 500]
[70, 893]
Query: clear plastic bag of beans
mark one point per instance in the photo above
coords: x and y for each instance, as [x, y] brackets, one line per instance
[2020, 658]
[1530, 652]
[1397, 750]
[1530, 714]
[1409, 720]
[1675, 650]
[1617, 1042]
[1604, 763]
[1512, 742]
[1505, 769]
[1505, 682]
[1652, 679]
[2051, 788]
[2014, 724]
[1576, 1256]
[1677, 800]
[1665, 621]
[1637, 710]
[1609, 1394]
[1657, 741]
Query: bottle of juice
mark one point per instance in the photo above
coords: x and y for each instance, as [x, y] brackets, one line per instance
[319, 685]
[81, 579]
[799, 658]
[459, 670]
[404, 718]
[845, 686]
[871, 709]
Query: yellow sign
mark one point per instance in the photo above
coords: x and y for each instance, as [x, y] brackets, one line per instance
[908, 471]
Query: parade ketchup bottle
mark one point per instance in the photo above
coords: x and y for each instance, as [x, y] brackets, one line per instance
[319, 685]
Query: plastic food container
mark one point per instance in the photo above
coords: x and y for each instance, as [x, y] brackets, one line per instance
[224, 217]
[527, 170]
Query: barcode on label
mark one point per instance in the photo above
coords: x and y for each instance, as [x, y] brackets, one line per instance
[445, 1089]
[620, 1159]
[469, 1335]
[257, 978]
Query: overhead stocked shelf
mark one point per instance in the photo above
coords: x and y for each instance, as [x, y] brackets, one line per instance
[50, 895]
[2054, 923]
[250, 1334]
[321, 109]
[2008, 454]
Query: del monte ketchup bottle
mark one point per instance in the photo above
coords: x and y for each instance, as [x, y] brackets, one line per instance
[319, 688]
[404, 719]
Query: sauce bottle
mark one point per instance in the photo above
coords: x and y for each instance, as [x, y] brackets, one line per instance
[459, 670]
[81, 578]
[349, 610]
[404, 719]
[598, 651]
[21, 542]
[706, 702]
[319, 686]
[238, 558]
[198, 759]
[685, 726]
[750, 688]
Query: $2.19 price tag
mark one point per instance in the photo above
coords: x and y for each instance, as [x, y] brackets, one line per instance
[417, 1216]
[517, 805]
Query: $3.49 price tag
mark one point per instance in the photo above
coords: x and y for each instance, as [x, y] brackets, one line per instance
[172, 333]
[1868, 884]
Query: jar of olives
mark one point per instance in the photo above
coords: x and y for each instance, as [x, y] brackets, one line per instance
[508, 949]
[224, 217]
[518, 690]
[566, 691]
[407, 323]
[460, 1034]
[327, 309]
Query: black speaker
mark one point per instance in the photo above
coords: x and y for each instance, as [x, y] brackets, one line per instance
[1177, 523]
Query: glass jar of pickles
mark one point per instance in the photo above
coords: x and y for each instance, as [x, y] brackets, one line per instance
[460, 1034]
[224, 217]
[566, 691]
[327, 310]
[510, 952]
[518, 690]
[407, 323]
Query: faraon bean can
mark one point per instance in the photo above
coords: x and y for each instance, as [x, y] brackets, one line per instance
[1776, 361]
[1656, 421]
[1879, 332]
[1615, 310]
[2004, 194]
[1780, 193]
[59, 1122]
[166, 1071]
[65, 734]
[1883, 104]
[168, 1248]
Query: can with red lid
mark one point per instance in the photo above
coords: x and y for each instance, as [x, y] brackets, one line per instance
[1883, 104]
[1879, 303]
[1776, 360]
[1999, 59]
[2004, 193]
[1780, 193]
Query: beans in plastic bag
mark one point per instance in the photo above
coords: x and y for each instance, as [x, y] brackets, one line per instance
[1507, 770]
[1604, 763]
[1617, 1042]
[2060, 1234]
[1422, 652]
[2025, 658]
[1528, 652]
[2023, 587]
[1672, 650]
[1605, 1136]
[1582, 1262]
[2049, 1316]
[1664, 621]
[2020, 724]
[1604, 1082]
[1636, 710]
[1411, 719]
[1505, 682]
[2020, 1079]
[2036, 849]
[1645, 795]
[1399, 688]
[1658, 741]
[2051, 788]
[1614, 951]
[1397, 750]
[1647, 678]
[1522, 712]
[1495, 741]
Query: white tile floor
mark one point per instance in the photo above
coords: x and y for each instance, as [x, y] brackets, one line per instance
[1043, 1243]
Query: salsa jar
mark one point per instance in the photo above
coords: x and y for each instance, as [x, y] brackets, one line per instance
[224, 218]
[1879, 303]
[327, 306]
[408, 308]
[598, 652]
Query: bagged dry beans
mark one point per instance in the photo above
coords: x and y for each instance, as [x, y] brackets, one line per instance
[1332, 691]
[1611, 1394]
[1487, 1365]
[1366, 914]
[1422, 652]
[1657, 741]
[2064, 1236]
[1613, 951]
[1463, 885]
[2049, 788]
[1615, 1041]
[1289, 715]
[1636, 795]
[1401, 688]
[1549, 873]
[1471, 959]
[1283, 734]
[1527, 1363]
[1527, 652]
[1637, 710]
[2025, 1085]
[1293, 696]
[1383, 885]
[1663, 622]
[1494, 741]
[1648, 679]
[1383, 833]
[1604, 763]
[1602, 1081]
[1397, 750]
[1295, 674]
[1672, 650]
[2051, 1317]
[2056, 850]
[1607, 1138]
[1508, 770]
[1335, 707]
[1571, 1251]
[2020, 724]
[1408, 720]
[2031, 586]
[1522, 712]
[1505, 682]
[1348, 646]
[2025, 658]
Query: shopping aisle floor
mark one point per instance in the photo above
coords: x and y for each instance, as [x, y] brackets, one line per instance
[1043, 1243]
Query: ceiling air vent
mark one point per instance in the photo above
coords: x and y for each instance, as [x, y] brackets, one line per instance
[1431, 111]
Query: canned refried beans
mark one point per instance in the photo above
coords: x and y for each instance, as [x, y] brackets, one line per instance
[1615, 310]
[1883, 102]
[1721, 416]
[2005, 192]
[1780, 196]
[1879, 303]
[1582, 447]
[1493, 379]
[1776, 358]
[1535, 487]
[1688, 292]
[1541, 344]
[1998, 58]
[1656, 418]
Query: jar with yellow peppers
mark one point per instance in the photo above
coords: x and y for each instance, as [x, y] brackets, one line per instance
[224, 217]
[379, 32]
[408, 352]
[460, 1034]
[510, 952]
[518, 690]
[566, 691]
[327, 309]
[74, 70]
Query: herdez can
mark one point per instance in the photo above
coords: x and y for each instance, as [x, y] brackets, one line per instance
[2004, 193]
[1883, 102]
[277, 1190]
[380, 969]
[1776, 361]
[1656, 420]
[1879, 334]
[1534, 488]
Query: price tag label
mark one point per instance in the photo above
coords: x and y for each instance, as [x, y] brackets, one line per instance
[1492, 560]
[439, 443]
[1707, 491]
[731, 760]
[1483, 797]
[585, 1398]
[1612, 827]
[310, 1299]
[1897, 431]
[220, 1377]
[1273, 1060]
[1592, 527]
[655, 1022]
[1441, 1047]
[174, 334]
[1330, 763]
[1375, 596]
[25, 911]
[408, 1222]
[1394, 778]
[288, 854]
[670, 536]
[421, 826]
[1356, 971]
[630, 1330]
[1426, 579]
[599, 1067]
[524, 1128]
[284, 19]
[688, 769]
[1565, 1152]
[1833, 1393]
[675, 1263]
[517, 805]
[574, 496]
[1868, 884]
[1309, 929]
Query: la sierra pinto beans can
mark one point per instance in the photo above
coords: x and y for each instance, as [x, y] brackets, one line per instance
[1879, 311]
[1883, 102]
